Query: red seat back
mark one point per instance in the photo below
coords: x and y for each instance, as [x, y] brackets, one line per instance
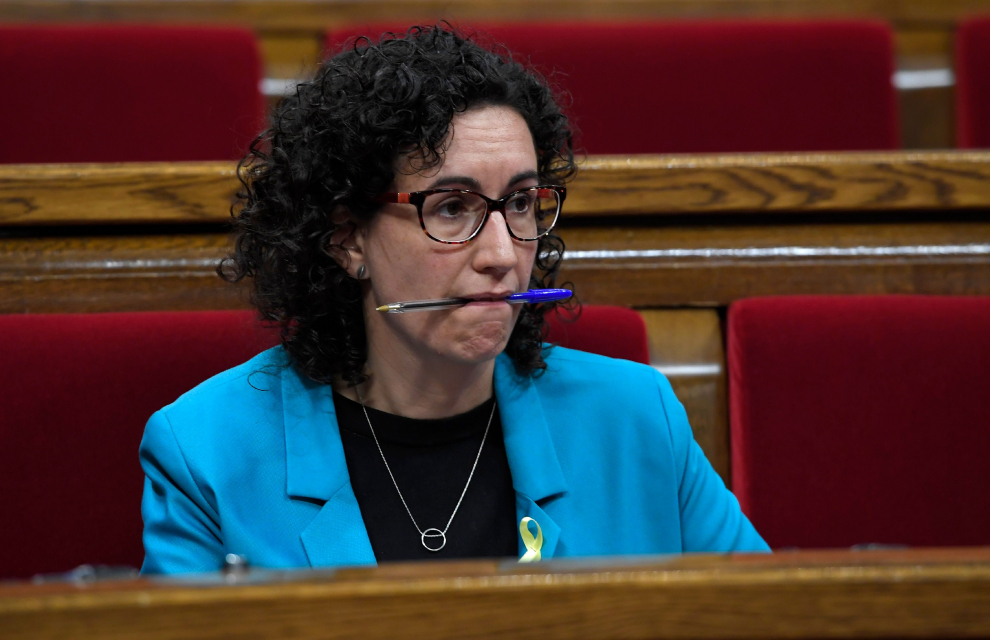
[615, 332]
[973, 83]
[859, 420]
[693, 87]
[78, 389]
[127, 93]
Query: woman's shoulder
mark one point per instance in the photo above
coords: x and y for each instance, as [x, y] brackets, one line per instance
[260, 374]
[234, 414]
[591, 387]
[240, 395]
[569, 367]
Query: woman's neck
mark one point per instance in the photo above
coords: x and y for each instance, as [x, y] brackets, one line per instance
[414, 386]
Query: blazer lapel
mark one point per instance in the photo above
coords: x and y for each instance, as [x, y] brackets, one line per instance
[536, 473]
[317, 470]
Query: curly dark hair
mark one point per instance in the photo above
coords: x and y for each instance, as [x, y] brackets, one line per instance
[335, 143]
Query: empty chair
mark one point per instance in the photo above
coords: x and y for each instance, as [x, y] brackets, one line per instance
[694, 87]
[861, 420]
[615, 332]
[78, 389]
[973, 83]
[127, 93]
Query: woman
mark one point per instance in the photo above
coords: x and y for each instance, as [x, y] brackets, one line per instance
[422, 167]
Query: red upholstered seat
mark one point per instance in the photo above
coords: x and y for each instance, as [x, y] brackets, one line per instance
[616, 332]
[859, 420]
[973, 83]
[693, 87]
[127, 93]
[77, 391]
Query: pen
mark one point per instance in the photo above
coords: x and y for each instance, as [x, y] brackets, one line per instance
[533, 296]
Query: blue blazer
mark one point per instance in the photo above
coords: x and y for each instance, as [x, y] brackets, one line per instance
[600, 452]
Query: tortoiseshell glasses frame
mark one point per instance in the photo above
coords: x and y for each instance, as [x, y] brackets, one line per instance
[418, 198]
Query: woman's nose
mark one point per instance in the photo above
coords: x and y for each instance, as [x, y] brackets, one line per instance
[496, 249]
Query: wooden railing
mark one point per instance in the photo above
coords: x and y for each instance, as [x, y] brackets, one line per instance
[310, 14]
[201, 192]
[879, 594]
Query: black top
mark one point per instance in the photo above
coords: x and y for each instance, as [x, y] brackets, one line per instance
[431, 461]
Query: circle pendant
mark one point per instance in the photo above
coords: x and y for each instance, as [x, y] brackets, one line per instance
[434, 534]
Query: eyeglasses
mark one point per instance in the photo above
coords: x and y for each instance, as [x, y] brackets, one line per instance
[456, 216]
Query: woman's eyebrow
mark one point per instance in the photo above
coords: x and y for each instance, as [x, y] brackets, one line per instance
[525, 175]
[471, 183]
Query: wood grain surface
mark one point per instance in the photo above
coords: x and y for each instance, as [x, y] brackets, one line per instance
[689, 262]
[115, 273]
[713, 263]
[116, 193]
[605, 185]
[315, 15]
[781, 183]
[906, 594]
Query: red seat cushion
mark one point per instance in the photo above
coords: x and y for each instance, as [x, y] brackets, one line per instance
[860, 420]
[692, 87]
[78, 389]
[128, 93]
[973, 83]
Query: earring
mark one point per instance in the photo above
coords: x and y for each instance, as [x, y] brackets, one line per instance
[360, 272]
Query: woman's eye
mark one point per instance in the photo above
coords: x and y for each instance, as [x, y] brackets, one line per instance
[450, 209]
[520, 204]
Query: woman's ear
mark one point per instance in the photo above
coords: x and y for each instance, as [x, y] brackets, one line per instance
[345, 245]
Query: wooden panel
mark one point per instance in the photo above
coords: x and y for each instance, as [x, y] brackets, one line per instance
[115, 273]
[928, 119]
[916, 594]
[313, 15]
[638, 185]
[290, 54]
[116, 193]
[707, 263]
[713, 264]
[781, 182]
[913, 39]
[686, 345]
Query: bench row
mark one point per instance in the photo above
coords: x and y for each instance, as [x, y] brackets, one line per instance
[110, 93]
[854, 420]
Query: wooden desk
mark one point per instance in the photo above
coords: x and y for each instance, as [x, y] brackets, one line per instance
[892, 594]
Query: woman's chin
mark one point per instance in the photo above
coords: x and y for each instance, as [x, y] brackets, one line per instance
[484, 343]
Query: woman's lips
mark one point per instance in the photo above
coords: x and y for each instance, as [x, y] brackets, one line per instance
[488, 298]
[487, 303]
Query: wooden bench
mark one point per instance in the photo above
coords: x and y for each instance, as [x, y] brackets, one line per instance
[677, 237]
[291, 30]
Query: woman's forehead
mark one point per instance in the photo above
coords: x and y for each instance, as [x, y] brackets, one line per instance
[490, 144]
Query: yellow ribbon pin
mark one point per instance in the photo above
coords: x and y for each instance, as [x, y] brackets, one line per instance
[533, 545]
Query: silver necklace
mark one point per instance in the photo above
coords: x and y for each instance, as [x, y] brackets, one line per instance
[432, 533]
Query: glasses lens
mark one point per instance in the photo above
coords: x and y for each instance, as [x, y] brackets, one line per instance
[530, 213]
[453, 216]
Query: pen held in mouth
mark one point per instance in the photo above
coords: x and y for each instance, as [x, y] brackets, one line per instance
[531, 296]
